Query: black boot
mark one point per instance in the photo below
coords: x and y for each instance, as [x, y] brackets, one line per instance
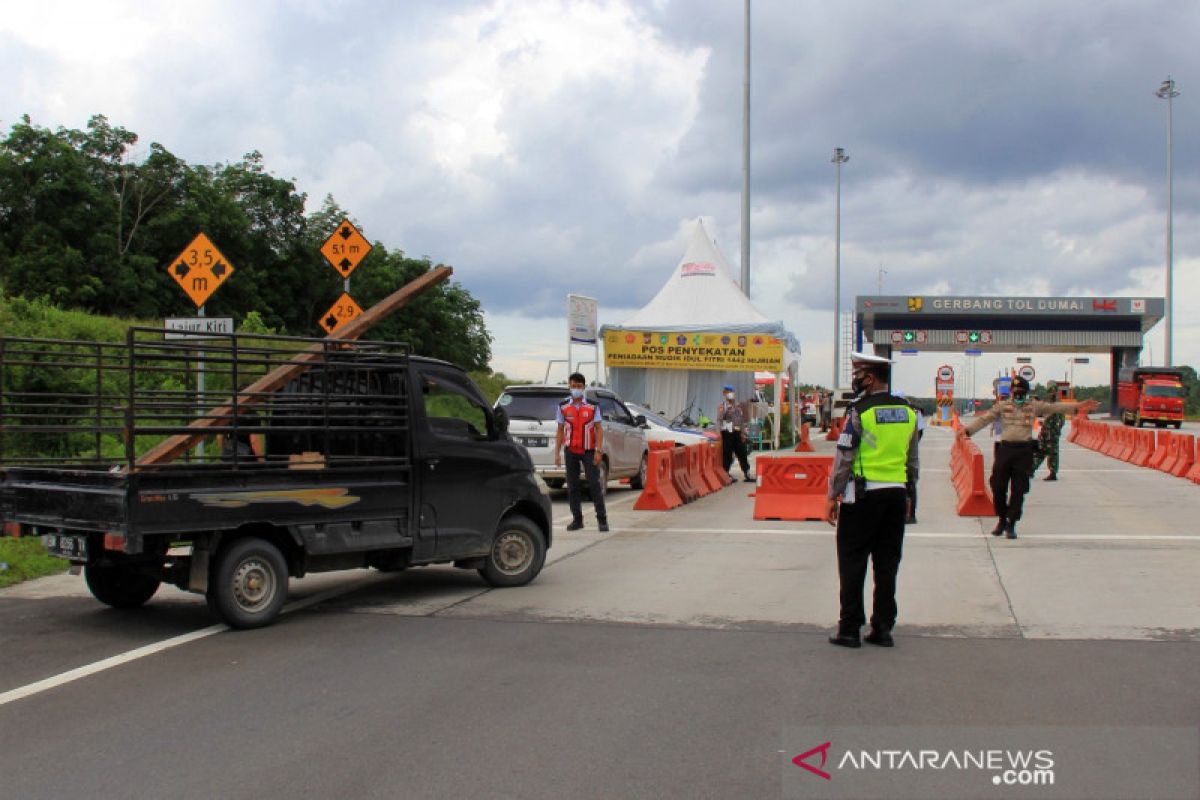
[880, 637]
[1011, 530]
[846, 637]
[999, 529]
[575, 525]
[1053, 476]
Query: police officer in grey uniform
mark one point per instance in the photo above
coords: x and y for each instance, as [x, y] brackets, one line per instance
[1013, 463]
[876, 460]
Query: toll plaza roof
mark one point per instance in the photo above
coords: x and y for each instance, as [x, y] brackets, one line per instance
[940, 323]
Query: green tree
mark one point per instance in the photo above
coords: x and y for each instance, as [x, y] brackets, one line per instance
[87, 222]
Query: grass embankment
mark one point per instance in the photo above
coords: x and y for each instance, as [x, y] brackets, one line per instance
[26, 558]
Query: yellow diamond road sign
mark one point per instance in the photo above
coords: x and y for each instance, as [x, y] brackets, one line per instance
[200, 269]
[345, 248]
[341, 312]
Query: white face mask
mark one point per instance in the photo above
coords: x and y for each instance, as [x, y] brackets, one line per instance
[729, 395]
[577, 393]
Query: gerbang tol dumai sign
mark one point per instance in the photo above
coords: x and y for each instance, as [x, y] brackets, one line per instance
[675, 350]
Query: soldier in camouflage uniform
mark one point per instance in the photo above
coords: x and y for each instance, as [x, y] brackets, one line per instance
[1052, 427]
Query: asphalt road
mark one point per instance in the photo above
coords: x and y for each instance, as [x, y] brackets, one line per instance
[669, 658]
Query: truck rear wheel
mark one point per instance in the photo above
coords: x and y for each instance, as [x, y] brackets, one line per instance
[517, 555]
[119, 586]
[248, 584]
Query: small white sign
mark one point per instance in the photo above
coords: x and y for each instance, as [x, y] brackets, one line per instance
[196, 327]
[581, 318]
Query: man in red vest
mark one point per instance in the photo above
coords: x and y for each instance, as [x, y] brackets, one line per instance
[582, 437]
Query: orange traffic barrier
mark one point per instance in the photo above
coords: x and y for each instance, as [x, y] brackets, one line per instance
[792, 487]
[805, 444]
[1145, 448]
[1185, 454]
[1112, 444]
[966, 472]
[1166, 440]
[1161, 450]
[659, 493]
[1193, 474]
[719, 464]
[835, 429]
[709, 466]
[679, 475]
[1077, 422]
[1125, 444]
[695, 471]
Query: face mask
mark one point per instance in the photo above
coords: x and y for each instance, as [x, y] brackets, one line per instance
[729, 395]
[1019, 399]
[577, 393]
[858, 384]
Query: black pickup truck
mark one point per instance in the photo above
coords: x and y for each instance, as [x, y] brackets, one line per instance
[290, 456]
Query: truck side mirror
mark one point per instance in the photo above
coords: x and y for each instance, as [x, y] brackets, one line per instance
[501, 417]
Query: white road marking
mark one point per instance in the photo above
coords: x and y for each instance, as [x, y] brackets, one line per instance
[157, 647]
[1107, 537]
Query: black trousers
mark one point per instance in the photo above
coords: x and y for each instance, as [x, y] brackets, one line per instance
[870, 527]
[1010, 478]
[573, 461]
[733, 444]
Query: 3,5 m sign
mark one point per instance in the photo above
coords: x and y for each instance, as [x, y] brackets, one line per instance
[200, 269]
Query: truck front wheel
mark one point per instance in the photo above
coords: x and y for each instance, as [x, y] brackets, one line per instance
[119, 586]
[248, 583]
[517, 555]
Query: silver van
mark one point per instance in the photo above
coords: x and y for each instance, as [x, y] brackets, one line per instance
[532, 412]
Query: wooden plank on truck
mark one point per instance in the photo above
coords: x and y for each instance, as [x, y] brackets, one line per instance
[179, 444]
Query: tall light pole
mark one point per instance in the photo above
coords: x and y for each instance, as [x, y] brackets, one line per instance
[746, 159]
[839, 158]
[1168, 92]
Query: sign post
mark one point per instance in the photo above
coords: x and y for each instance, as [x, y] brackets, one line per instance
[581, 327]
[345, 249]
[199, 270]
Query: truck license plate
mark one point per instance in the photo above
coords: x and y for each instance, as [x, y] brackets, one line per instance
[66, 546]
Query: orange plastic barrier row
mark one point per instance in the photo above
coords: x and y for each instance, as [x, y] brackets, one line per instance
[676, 475]
[792, 487]
[1173, 452]
[659, 492]
[966, 472]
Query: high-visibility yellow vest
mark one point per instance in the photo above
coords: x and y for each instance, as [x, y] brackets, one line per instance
[887, 429]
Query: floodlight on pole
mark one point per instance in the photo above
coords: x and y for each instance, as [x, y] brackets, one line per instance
[1168, 92]
[839, 158]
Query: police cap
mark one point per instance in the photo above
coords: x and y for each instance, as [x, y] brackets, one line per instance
[874, 364]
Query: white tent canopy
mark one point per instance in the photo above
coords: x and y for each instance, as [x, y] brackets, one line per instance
[700, 295]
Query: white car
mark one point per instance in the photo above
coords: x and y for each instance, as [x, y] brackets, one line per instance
[532, 412]
[660, 429]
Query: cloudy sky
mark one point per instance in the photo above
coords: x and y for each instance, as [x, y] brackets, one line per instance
[550, 146]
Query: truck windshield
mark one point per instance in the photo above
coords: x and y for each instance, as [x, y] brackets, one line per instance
[1164, 391]
[532, 405]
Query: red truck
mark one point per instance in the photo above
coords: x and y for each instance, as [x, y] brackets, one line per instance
[1151, 394]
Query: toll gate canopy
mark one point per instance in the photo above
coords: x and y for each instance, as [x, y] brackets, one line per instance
[976, 325]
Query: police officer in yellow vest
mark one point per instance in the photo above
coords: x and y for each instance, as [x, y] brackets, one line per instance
[875, 463]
